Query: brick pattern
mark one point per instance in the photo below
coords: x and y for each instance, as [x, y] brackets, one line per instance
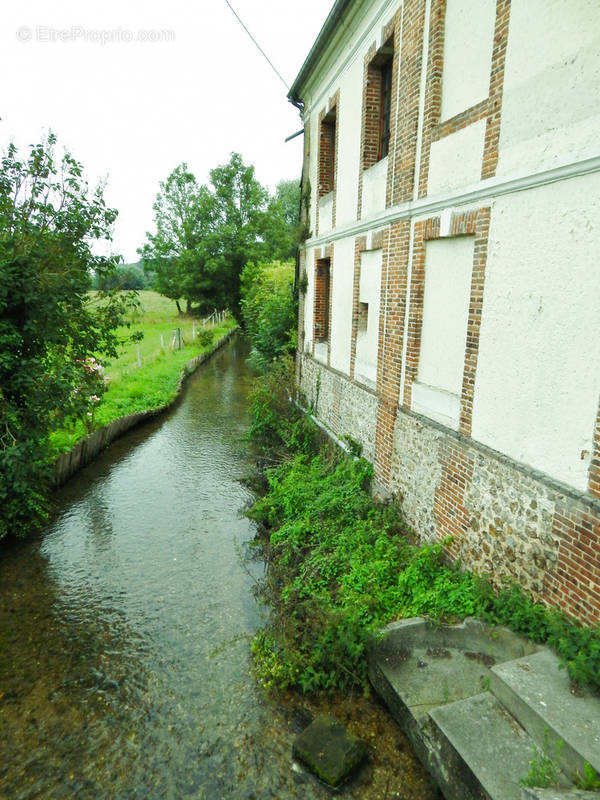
[329, 302]
[449, 507]
[371, 108]
[575, 584]
[594, 481]
[429, 228]
[475, 223]
[481, 222]
[433, 88]
[360, 245]
[434, 128]
[322, 300]
[327, 132]
[492, 131]
[394, 271]
[369, 128]
[327, 158]
[403, 139]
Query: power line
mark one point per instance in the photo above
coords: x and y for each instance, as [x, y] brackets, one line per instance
[273, 67]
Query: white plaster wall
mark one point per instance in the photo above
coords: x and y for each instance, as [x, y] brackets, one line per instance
[455, 161]
[448, 271]
[367, 342]
[309, 299]
[325, 213]
[468, 44]
[343, 70]
[374, 188]
[341, 305]
[538, 373]
[349, 121]
[550, 107]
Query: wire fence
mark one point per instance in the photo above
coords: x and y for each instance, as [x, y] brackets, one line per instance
[154, 342]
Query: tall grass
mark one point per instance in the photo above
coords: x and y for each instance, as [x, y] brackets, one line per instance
[131, 388]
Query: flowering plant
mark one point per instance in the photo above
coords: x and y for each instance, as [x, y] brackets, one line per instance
[87, 396]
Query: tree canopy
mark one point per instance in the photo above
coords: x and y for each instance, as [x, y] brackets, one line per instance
[51, 328]
[205, 235]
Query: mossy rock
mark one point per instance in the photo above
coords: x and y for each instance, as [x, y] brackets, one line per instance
[329, 750]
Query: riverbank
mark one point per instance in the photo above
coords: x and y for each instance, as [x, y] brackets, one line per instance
[341, 565]
[145, 375]
[87, 448]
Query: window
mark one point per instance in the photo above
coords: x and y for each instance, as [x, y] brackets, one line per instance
[385, 104]
[327, 153]
[322, 293]
[377, 106]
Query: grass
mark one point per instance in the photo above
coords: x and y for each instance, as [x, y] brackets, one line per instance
[133, 389]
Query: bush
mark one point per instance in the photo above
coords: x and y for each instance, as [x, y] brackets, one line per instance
[269, 311]
[50, 326]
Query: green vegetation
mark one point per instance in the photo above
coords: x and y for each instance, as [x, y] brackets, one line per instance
[544, 769]
[205, 235]
[269, 311]
[132, 389]
[51, 328]
[340, 565]
[589, 781]
[126, 277]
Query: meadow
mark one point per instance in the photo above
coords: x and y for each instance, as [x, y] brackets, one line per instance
[133, 388]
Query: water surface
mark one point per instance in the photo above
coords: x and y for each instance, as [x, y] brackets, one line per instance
[125, 628]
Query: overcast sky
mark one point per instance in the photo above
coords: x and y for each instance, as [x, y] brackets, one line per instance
[194, 91]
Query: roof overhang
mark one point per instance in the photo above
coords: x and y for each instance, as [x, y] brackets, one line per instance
[339, 7]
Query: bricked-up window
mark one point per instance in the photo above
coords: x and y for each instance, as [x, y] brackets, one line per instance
[327, 153]
[386, 104]
[322, 289]
[378, 103]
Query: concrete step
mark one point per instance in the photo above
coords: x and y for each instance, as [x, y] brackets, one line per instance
[538, 694]
[484, 750]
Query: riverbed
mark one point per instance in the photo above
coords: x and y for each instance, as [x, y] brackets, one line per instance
[125, 630]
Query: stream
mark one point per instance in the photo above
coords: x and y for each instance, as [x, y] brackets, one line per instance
[125, 630]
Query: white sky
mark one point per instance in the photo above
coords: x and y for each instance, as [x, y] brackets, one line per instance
[133, 110]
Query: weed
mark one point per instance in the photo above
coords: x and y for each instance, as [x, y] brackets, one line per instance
[589, 781]
[544, 770]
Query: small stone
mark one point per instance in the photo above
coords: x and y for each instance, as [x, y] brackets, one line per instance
[329, 750]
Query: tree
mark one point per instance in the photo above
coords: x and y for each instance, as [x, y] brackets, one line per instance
[205, 235]
[269, 311]
[127, 277]
[50, 326]
[240, 212]
[176, 252]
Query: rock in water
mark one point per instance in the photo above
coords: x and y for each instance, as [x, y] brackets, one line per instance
[329, 750]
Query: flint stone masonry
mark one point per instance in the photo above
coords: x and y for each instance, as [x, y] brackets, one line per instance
[508, 512]
[341, 405]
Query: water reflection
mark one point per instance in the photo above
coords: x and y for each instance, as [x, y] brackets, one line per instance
[124, 630]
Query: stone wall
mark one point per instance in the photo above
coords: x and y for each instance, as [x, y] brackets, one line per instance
[508, 521]
[343, 406]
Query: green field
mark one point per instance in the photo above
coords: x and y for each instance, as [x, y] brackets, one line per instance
[132, 388]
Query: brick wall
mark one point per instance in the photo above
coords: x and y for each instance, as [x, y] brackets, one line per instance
[434, 128]
[507, 520]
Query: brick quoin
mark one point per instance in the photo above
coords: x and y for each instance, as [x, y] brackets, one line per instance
[594, 480]
[423, 229]
[478, 223]
[434, 127]
[574, 586]
[403, 144]
[360, 245]
[394, 269]
[452, 517]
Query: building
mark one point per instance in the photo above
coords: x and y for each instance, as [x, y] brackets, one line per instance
[451, 320]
